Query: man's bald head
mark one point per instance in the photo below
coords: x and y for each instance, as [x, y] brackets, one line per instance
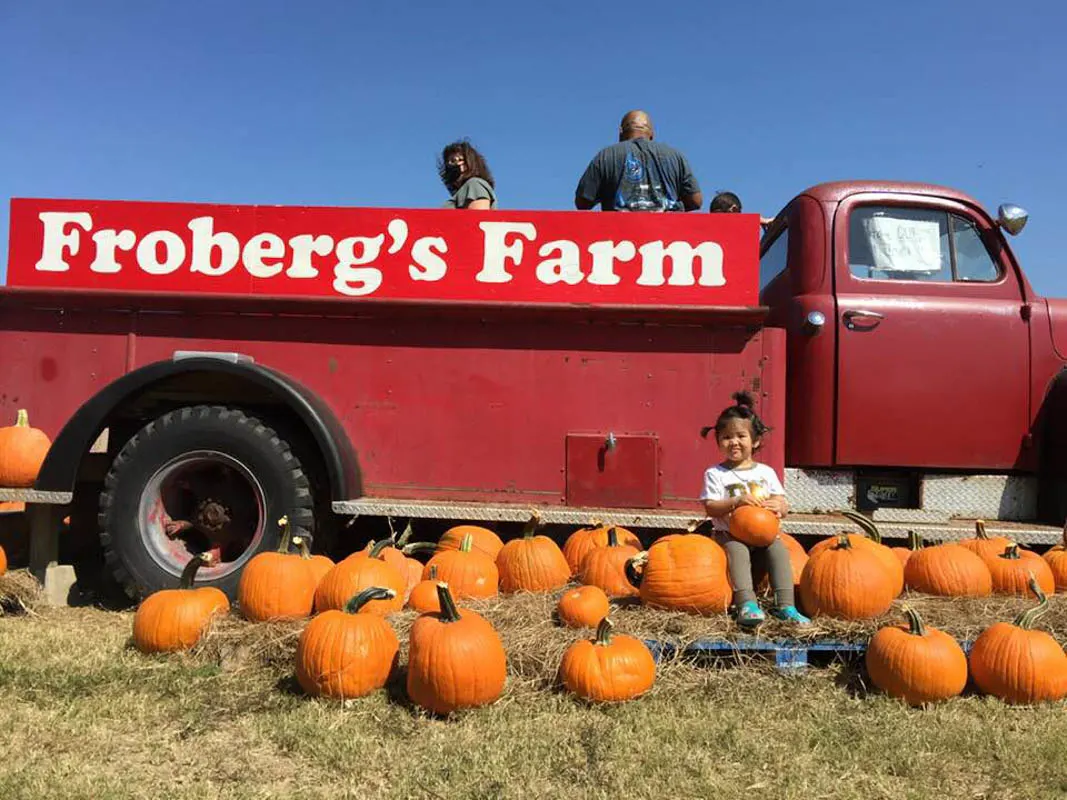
[635, 125]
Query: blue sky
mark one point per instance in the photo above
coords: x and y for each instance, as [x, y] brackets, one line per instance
[348, 103]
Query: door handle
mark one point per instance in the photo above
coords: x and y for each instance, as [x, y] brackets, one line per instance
[851, 316]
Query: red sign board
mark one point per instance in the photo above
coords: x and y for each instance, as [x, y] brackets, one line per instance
[410, 254]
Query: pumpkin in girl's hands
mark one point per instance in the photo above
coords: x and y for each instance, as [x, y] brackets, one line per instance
[175, 619]
[607, 669]
[468, 572]
[580, 543]
[583, 607]
[948, 570]
[280, 584]
[483, 540]
[455, 659]
[915, 663]
[605, 567]
[358, 572]
[532, 563]
[1018, 664]
[346, 654]
[1012, 569]
[22, 451]
[846, 581]
[423, 597]
[755, 526]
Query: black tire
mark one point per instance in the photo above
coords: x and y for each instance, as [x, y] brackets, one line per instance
[202, 435]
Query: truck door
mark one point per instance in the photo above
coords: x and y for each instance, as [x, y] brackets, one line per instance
[933, 348]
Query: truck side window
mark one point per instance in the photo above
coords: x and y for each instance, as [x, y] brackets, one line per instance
[917, 244]
[773, 261]
[973, 262]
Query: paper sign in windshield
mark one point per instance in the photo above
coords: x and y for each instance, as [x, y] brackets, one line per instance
[904, 245]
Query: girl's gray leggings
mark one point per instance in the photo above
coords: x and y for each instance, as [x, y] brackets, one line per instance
[775, 560]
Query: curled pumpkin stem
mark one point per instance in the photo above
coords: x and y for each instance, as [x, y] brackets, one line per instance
[865, 523]
[979, 530]
[286, 536]
[1027, 619]
[302, 546]
[532, 524]
[376, 548]
[915, 541]
[449, 611]
[915, 622]
[603, 632]
[1011, 552]
[188, 577]
[843, 542]
[467, 544]
[634, 568]
[370, 593]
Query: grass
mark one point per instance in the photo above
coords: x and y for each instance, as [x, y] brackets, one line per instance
[86, 716]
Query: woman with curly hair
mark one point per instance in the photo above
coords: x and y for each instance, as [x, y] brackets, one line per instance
[466, 175]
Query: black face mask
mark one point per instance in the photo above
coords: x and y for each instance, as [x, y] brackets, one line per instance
[452, 172]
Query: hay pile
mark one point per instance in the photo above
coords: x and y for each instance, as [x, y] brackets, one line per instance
[535, 642]
[20, 592]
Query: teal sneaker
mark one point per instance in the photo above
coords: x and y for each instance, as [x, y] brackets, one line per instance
[749, 614]
[790, 614]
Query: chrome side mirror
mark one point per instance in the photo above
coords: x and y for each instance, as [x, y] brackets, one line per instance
[1012, 218]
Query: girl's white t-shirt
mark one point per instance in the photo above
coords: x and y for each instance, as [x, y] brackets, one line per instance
[721, 482]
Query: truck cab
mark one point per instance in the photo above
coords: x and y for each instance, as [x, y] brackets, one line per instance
[918, 353]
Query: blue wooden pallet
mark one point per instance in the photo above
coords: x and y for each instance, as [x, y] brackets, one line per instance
[788, 654]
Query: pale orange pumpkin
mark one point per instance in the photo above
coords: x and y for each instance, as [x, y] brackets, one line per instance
[532, 563]
[22, 451]
[583, 607]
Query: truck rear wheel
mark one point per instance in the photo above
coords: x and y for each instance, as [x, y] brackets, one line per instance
[199, 479]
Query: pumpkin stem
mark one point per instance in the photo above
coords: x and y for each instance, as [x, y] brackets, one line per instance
[370, 593]
[22, 419]
[603, 632]
[865, 523]
[449, 612]
[915, 541]
[531, 525]
[915, 622]
[632, 574]
[302, 545]
[433, 572]
[402, 541]
[376, 548]
[418, 547]
[286, 537]
[188, 577]
[1011, 552]
[979, 530]
[843, 542]
[467, 543]
[613, 537]
[1027, 619]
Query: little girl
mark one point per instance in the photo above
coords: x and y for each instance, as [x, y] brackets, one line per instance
[739, 481]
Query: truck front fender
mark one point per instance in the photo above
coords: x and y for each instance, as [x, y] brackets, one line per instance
[59, 471]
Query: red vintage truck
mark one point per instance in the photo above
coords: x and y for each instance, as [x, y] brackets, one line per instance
[204, 370]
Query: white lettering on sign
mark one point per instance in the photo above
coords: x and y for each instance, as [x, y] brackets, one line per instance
[904, 245]
[56, 239]
[358, 265]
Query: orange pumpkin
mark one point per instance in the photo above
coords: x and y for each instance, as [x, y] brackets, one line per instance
[948, 570]
[483, 540]
[12, 507]
[798, 557]
[22, 451]
[1018, 664]
[397, 552]
[1056, 557]
[847, 581]
[583, 607]
[605, 567]
[873, 541]
[317, 565]
[915, 663]
[582, 541]
[278, 585]
[423, 597]
[1011, 571]
[468, 573]
[985, 545]
[175, 619]
[754, 525]
[3, 562]
[455, 659]
[607, 669]
[915, 542]
[532, 563]
[358, 572]
[685, 572]
[346, 654]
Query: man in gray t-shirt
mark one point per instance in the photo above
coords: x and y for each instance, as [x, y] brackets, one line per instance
[638, 174]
